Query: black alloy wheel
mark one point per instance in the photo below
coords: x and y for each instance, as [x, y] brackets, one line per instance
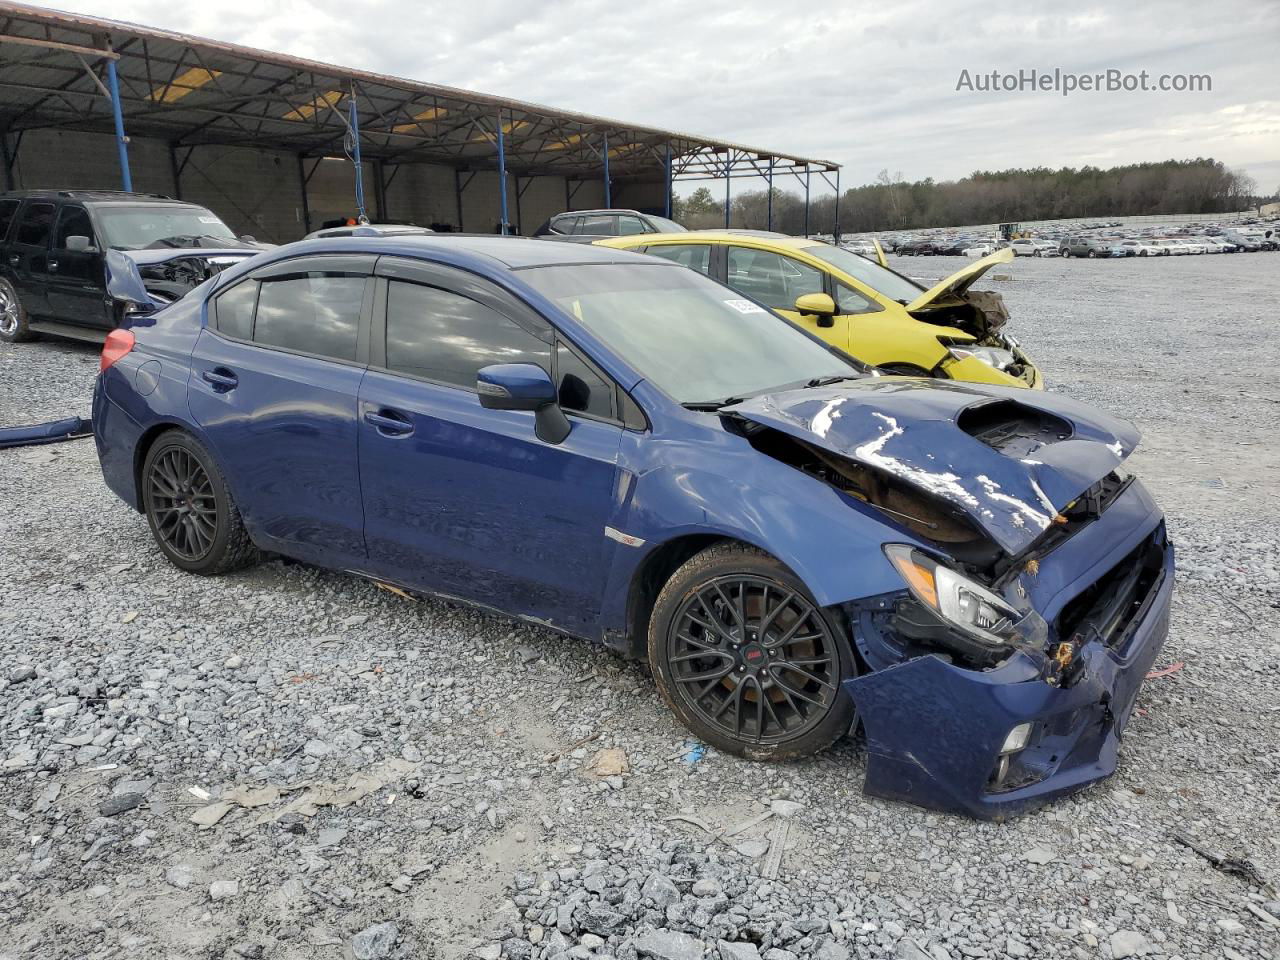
[189, 508]
[747, 660]
[180, 498]
[754, 660]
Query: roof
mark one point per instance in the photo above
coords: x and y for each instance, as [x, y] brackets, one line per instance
[93, 196]
[756, 237]
[190, 90]
[513, 253]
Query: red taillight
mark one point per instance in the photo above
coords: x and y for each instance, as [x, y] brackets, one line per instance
[119, 342]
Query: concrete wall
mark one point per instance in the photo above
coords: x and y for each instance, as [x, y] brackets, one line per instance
[258, 191]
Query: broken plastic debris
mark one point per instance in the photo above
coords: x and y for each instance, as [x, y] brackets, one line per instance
[610, 762]
[200, 793]
[1166, 671]
[356, 788]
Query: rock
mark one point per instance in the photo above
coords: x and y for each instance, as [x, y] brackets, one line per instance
[660, 890]
[1128, 943]
[908, 949]
[179, 875]
[610, 763]
[62, 710]
[831, 951]
[373, 943]
[234, 662]
[223, 889]
[602, 921]
[330, 836]
[785, 808]
[113, 806]
[21, 674]
[668, 945]
[517, 948]
[316, 748]
[1230, 925]
[738, 951]
[1015, 948]
[1040, 855]
[777, 953]
[250, 951]
[490, 951]
[528, 654]
[706, 887]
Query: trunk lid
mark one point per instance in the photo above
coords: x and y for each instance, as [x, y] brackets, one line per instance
[1009, 460]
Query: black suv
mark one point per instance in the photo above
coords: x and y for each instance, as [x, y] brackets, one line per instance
[75, 262]
[588, 226]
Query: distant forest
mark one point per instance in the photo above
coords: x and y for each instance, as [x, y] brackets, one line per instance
[1201, 186]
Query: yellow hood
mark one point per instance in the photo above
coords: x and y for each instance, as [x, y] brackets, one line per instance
[959, 282]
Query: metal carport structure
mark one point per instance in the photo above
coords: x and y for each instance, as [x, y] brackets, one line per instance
[71, 72]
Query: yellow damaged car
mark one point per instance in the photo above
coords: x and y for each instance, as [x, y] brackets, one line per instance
[862, 307]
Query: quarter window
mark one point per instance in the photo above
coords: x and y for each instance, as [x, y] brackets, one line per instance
[233, 310]
[446, 337]
[579, 386]
[849, 300]
[36, 225]
[628, 225]
[72, 222]
[694, 255]
[774, 280]
[318, 313]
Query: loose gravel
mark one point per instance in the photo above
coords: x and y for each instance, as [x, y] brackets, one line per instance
[289, 762]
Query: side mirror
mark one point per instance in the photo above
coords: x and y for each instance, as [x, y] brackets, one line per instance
[81, 245]
[249, 238]
[524, 386]
[819, 305]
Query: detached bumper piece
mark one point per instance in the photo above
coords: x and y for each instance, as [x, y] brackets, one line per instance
[73, 428]
[993, 744]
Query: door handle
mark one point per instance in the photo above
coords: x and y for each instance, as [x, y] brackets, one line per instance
[14, 258]
[221, 379]
[389, 423]
[53, 266]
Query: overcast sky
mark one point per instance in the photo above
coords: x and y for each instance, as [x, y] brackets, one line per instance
[869, 85]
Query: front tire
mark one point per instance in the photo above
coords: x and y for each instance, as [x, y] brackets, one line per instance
[14, 322]
[746, 658]
[190, 511]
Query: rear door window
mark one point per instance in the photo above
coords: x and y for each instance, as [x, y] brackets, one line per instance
[694, 255]
[599, 226]
[629, 225]
[36, 225]
[318, 313]
[445, 337]
[7, 210]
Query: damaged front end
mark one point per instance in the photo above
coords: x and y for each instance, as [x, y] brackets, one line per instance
[144, 281]
[1036, 583]
[953, 304]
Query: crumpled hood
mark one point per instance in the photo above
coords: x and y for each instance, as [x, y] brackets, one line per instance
[959, 282]
[912, 430]
[124, 276]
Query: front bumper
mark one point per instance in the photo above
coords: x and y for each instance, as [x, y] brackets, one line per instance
[934, 730]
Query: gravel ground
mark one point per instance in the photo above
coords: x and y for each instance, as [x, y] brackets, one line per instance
[378, 777]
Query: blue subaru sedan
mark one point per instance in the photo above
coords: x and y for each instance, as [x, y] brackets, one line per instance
[623, 450]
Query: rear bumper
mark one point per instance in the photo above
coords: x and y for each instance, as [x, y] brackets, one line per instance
[116, 435]
[935, 730]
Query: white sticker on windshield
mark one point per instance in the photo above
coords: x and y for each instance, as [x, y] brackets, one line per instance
[210, 220]
[744, 306]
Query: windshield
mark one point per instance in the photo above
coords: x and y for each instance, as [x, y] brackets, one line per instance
[892, 285]
[147, 225]
[696, 340]
[666, 226]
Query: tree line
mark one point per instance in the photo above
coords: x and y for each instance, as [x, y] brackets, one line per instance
[1200, 186]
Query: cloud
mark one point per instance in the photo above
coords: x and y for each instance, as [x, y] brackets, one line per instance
[870, 86]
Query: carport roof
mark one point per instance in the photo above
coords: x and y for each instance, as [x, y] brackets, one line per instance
[191, 91]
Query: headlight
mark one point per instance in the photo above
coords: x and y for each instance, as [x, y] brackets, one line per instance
[995, 357]
[959, 601]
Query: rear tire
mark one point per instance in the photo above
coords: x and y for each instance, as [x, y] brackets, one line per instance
[190, 510]
[14, 326]
[747, 660]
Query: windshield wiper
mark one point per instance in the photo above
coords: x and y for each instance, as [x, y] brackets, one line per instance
[711, 404]
[827, 381]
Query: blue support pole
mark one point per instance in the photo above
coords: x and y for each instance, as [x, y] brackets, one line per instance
[608, 191]
[770, 227]
[362, 214]
[502, 175]
[122, 142]
[668, 207]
